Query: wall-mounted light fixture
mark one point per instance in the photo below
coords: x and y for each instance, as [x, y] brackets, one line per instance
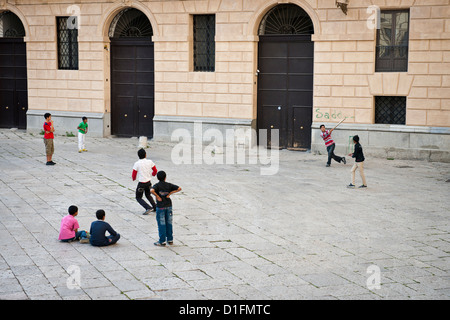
[343, 5]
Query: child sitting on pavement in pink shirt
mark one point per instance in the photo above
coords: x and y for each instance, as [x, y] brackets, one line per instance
[69, 228]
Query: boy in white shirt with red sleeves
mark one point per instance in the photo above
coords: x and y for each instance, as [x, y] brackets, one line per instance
[143, 170]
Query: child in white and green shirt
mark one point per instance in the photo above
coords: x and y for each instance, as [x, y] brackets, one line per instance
[82, 130]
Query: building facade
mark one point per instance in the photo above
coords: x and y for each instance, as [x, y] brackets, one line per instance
[147, 68]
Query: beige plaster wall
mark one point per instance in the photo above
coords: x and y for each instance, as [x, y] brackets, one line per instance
[344, 80]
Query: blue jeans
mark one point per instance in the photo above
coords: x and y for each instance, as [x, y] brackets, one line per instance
[108, 241]
[331, 155]
[79, 235]
[164, 220]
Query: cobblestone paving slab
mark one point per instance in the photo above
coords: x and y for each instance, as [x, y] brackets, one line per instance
[299, 234]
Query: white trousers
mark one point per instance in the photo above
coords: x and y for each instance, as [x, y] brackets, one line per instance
[81, 141]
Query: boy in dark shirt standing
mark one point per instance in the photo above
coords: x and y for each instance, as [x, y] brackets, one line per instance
[162, 192]
[359, 163]
[98, 231]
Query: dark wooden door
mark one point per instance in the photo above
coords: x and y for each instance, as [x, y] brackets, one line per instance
[132, 87]
[285, 88]
[13, 83]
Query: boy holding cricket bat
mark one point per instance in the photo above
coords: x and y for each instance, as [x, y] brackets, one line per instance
[329, 143]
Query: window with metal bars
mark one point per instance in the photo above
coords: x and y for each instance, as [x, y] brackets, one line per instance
[392, 41]
[67, 34]
[390, 110]
[204, 44]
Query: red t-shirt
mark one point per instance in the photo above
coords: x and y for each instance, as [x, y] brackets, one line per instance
[326, 136]
[48, 127]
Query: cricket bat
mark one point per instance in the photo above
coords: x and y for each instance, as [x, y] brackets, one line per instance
[339, 123]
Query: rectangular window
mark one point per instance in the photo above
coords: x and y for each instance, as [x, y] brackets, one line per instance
[392, 41]
[67, 34]
[390, 110]
[204, 44]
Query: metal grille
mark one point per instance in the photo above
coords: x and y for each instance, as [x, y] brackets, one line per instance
[204, 44]
[286, 19]
[10, 26]
[67, 43]
[130, 23]
[390, 110]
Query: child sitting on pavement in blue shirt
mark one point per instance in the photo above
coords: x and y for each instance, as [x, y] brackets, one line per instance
[98, 231]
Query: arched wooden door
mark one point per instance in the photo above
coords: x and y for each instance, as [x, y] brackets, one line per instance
[132, 74]
[13, 72]
[285, 78]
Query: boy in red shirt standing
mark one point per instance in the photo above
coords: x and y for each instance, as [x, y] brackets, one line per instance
[48, 138]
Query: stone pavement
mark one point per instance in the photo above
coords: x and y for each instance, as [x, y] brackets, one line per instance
[299, 234]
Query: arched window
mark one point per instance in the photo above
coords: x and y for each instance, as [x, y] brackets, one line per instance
[286, 19]
[130, 23]
[11, 26]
